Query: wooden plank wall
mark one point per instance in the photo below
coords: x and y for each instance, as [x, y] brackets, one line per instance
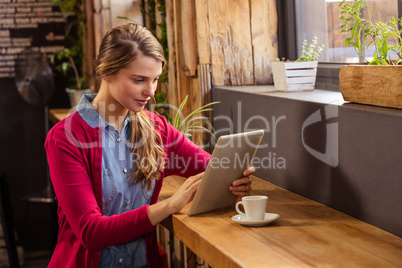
[89, 45]
[211, 43]
[99, 14]
[264, 24]
[238, 39]
[102, 20]
[182, 76]
[215, 43]
[231, 44]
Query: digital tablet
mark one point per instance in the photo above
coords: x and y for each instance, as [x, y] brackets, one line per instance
[232, 155]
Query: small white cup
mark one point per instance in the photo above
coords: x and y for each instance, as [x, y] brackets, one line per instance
[254, 206]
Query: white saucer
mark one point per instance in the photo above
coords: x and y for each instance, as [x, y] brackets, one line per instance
[269, 217]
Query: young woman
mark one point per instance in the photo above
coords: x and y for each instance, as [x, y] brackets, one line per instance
[108, 159]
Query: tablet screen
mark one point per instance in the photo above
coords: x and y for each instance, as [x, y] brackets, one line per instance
[231, 156]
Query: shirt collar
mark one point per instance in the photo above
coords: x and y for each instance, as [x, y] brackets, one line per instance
[91, 116]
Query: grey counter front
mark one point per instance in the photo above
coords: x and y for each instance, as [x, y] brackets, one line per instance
[344, 155]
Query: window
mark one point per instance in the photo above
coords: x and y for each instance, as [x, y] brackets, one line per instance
[303, 19]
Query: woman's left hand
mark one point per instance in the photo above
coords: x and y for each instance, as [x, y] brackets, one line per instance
[242, 187]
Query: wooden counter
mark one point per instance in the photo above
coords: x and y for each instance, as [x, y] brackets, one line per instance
[56, 115]
[307, 234]
[364, 140]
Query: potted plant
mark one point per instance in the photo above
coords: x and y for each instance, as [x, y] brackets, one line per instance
[69, 61]
[190, 122]
[379, 80]
[185, 123]
[66, 66]
[298, 75]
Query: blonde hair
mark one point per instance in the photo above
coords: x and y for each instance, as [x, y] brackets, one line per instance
[119, 47]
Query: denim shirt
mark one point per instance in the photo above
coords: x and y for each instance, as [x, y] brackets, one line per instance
[119, 194]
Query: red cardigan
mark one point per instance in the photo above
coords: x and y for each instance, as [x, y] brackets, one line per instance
[74, 152]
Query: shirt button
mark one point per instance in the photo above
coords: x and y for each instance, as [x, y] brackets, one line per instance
[125, 170]
[120, 260]
[118, 139]
[127, 202]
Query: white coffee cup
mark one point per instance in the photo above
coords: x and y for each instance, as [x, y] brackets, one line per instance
[254, 206]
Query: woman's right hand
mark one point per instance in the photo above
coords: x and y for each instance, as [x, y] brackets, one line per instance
[174, 204]
[185, 193]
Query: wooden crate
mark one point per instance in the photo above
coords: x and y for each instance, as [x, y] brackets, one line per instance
[372, 84]
[294, 76]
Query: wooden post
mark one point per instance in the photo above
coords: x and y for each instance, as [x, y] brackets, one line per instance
[162, 87]
[89, 44]
[202, 32]
[172, 85]
[102, 21]
[188, 37]
[264, 24]
[230, 40]
[179, 260]
[204, 81]
[163, 237]
[97, 24]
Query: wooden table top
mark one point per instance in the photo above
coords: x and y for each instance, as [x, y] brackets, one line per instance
[307, 234]
[56, 115]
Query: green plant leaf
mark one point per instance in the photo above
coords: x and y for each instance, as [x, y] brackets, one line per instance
[191, 117]
[123, 18]
[163, 78]
[176, 121]
[162, 26]
[373, 33]
[196, 111]
[66, 6]
[384, 47]
[160, 97]
[310, 51]
[65, 66]
[193, 123]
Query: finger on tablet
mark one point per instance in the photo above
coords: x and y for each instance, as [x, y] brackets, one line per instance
[249, 171]
[244, 180]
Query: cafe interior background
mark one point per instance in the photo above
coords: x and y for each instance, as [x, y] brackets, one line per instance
[217, 51]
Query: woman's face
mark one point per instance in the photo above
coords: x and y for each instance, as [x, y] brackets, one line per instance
[134, 85]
